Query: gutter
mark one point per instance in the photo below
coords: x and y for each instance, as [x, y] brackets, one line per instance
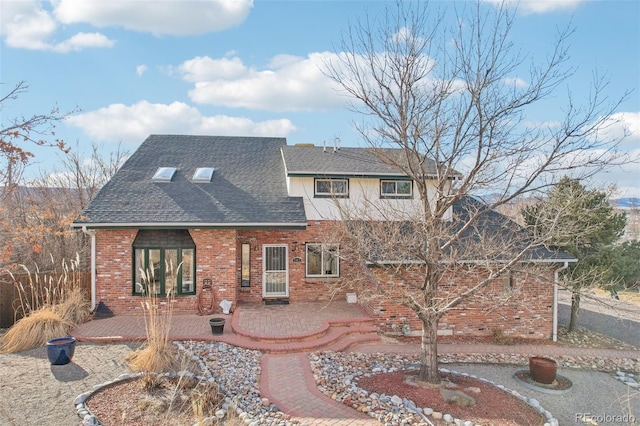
[92, 234]
[556, 278]
[189, 225]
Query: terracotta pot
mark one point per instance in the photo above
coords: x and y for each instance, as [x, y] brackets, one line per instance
[543, 370]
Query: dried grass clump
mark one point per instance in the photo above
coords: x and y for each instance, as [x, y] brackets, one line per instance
[205, 399]
[50, 304]
[35, 330]
[153, 359]
[158, 354]
[501, 338]
[75, 307]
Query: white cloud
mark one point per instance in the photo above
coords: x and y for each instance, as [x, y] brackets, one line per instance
[289, 83]
[156, 16]
[141, 69]
[540, 6]
[81, 41]
[622, 124]
[516, 82]
[26, 25]
[204, 68]
[133, 123]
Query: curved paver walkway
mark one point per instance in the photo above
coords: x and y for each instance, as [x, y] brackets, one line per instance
[288, 382]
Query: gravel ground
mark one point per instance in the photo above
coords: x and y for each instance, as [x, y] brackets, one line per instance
[34, 392]
[37, 393]
[594, 393]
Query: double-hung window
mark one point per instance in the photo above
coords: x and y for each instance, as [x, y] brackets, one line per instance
[164, 263]
[396, 188]
[331, 188]
[323, 260]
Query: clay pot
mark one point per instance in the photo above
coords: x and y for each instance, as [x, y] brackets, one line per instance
[543, 370]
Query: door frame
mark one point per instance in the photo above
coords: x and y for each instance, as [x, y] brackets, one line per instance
[264, 270]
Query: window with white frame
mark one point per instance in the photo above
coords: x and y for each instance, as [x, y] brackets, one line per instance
[396, 188]
[322, 260]
[332, 188]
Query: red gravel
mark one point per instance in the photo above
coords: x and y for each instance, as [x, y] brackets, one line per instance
[493, 407]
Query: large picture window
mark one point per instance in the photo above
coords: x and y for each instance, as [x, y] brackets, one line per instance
[323, 260]
[164, 263]
[331, 188]
[396, 189]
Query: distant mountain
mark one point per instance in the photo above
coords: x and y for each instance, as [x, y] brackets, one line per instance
[627, 202]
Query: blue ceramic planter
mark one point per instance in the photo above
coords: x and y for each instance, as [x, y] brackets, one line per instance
[60, 350]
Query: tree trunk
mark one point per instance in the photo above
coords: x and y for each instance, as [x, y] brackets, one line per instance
[429, 354]
[575, 307]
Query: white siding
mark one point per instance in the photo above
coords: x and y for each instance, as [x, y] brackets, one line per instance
[364, 200]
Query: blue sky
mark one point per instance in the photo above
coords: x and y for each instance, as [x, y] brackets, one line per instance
[252, 67]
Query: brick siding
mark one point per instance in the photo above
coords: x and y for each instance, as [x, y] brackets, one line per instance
[525, 313]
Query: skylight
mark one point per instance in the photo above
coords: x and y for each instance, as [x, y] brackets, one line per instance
[164, 174]
[203, 174]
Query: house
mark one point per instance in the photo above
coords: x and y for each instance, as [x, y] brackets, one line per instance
[251, 216]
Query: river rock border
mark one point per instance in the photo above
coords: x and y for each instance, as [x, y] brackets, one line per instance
[627, 378]
[236, 371]
[335, 374]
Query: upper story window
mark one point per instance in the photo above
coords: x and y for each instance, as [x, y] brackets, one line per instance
[332, 188]
[396, 189]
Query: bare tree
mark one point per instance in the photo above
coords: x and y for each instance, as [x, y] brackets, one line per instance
[36, 216]
[18, 133]
[444, 98]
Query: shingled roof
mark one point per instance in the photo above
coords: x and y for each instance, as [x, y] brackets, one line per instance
[316, 161]
[248, 188]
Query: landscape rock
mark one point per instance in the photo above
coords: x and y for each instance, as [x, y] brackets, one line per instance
[457, 397]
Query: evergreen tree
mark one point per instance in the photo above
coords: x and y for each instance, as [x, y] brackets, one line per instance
[579, 221]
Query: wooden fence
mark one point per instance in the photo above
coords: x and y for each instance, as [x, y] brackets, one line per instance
[10, 295]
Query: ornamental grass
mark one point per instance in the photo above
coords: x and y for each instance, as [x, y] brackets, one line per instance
[157, 354]
[49, 305]
[34, 331]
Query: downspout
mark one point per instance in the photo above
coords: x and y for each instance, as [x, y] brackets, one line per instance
[92, 234]
[556, 278]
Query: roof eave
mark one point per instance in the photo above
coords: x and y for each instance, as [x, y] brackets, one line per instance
[189, 225]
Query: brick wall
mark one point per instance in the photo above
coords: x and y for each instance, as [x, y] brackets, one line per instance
[114, 283]
[525, 311]
[301, 288]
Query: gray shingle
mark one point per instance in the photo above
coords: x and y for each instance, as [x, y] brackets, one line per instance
[247, 189]
[313, 160]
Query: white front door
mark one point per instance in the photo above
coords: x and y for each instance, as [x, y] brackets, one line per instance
[275, 278]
